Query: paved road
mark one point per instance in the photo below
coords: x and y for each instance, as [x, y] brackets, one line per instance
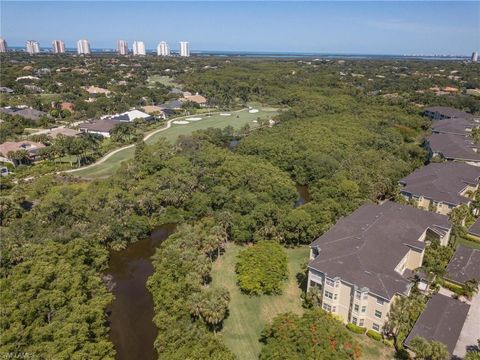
[471, 329]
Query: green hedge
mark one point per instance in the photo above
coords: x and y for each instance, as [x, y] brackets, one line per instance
[457, 289]
[356, 329]
[374, 335]
[388, 342]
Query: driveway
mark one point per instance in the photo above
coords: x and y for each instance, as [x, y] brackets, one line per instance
[471, 329]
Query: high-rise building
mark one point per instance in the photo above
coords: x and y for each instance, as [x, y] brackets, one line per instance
[58, 46]
[184, 48]
[138, 48]
[3, 45]
[33, 47]
[83, 47]
[122, 47]
[163, 49]
[474, 56]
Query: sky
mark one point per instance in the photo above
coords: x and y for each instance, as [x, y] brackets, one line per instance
[286, 26]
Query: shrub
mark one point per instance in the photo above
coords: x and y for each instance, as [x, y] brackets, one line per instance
[457, 289]
[388, 342]
[262, 268]
[374, 335]
[356, 329]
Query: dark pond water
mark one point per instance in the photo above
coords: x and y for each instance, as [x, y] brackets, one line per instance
[132, 330]
[303, 195]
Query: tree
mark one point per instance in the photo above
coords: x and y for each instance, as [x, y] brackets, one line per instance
[315, 335]
[403, 314]
[470, 287]
[262, 268]
[429, 350]
[437, 257]
[19, 157]
[211, 305]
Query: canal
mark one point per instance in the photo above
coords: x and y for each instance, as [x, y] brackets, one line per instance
[132, 330]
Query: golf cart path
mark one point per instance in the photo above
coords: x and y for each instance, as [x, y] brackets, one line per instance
[145, 138]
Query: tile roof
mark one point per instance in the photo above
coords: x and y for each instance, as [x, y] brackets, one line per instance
[464, 265]
[453, 147]
[365, 247]
[31, 146]
[103, 125]
[457, 126]
[449, 112]
[442, 181]
[442, 320]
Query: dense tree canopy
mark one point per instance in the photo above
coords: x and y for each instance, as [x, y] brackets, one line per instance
[262, 268]
[314, 335]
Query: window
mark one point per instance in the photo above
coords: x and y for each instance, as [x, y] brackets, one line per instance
[357, 295]
[355, 307]
[361, 322]
[328, 294]
[327, 307]
[354, 320]
[376, 327]
[378, 314]
[364, 308]
[330, 282]
[334, 309]
[335, 296]
[380, 301]
[365, 296]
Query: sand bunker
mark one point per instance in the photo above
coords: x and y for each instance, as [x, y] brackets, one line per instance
[253, 111]
[194, 119]
[180, 122]
[225, 114]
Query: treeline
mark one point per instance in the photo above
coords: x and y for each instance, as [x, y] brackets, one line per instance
[347, 147]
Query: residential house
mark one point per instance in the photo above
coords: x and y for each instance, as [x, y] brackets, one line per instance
[442, 320]
[198, 99]
[102, 127]
[453, 148]
[366, 260]
[443, 112]
[129, 116]
[154, 110]
[24, 111]
[11, 146]
[67, 106]
[456, 126]
[6, 90]
[95, 90]
[441, 187]
[464, 266]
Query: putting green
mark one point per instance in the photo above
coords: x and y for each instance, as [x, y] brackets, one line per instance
[236, 120]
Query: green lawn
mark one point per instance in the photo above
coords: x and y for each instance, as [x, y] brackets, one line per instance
[374, 350]
[164, 80]
[249, 314]
[237, 120]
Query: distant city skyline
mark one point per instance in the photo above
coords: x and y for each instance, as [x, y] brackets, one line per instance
[317, 27]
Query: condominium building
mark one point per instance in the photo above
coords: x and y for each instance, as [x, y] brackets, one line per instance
[122, 47]
[441, 187]
[474, 56]
[83, 47]
[367, 260]
[58, 46]
[3, 45]
[184, 48]
[163, 49]
[33, 47]
[139, 48]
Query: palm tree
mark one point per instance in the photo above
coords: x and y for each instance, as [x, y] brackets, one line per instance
[470, 287]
